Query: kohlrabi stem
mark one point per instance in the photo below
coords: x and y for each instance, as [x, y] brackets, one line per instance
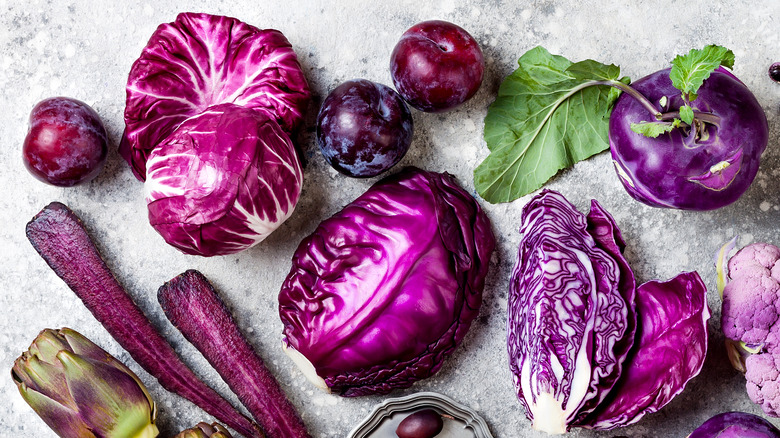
[635, 94]
[703, 117]
[671, 115]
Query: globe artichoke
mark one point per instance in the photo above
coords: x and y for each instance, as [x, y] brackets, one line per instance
[205, 430]
[81, 391]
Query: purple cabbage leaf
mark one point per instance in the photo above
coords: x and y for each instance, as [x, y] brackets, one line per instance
[671, 336]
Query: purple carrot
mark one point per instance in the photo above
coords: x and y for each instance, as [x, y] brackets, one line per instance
[60, 238]
[194, 307]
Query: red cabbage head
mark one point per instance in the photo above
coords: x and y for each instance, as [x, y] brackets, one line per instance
[385, 290]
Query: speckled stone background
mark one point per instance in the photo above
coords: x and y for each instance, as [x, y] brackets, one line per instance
[84, 49]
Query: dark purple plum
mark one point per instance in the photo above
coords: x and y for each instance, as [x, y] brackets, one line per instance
[436, 66]
[426, 423]
[363, 128]
[66, 143]
[774, 72]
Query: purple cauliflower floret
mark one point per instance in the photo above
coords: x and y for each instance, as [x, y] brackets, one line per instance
[751, 320]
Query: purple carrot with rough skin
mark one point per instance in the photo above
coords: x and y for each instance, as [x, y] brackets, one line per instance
[60, 238]
[193, 306]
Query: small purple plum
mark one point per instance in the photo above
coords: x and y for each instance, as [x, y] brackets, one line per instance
[436, 66]
[364, 128]
[66, 143]
[774, 72]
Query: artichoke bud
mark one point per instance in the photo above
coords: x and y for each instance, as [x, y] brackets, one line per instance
[81, 391]
[205, 430]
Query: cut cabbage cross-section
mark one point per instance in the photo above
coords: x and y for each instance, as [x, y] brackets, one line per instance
[585, 342]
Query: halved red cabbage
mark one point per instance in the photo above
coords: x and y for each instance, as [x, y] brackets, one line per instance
[384, 290]
[201, 60]
[566, 314]
[607, 236]
[585, 343]
[222, 181]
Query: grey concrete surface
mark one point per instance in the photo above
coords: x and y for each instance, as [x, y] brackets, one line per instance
[84, 49]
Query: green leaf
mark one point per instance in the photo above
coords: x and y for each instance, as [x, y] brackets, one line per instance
[690, 71]
[653, 129]
[549, 114]
[686, 114]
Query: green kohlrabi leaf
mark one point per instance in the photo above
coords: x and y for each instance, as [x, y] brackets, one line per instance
[686, 114]
[691, 70]
[654, 129]
[549, 114]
